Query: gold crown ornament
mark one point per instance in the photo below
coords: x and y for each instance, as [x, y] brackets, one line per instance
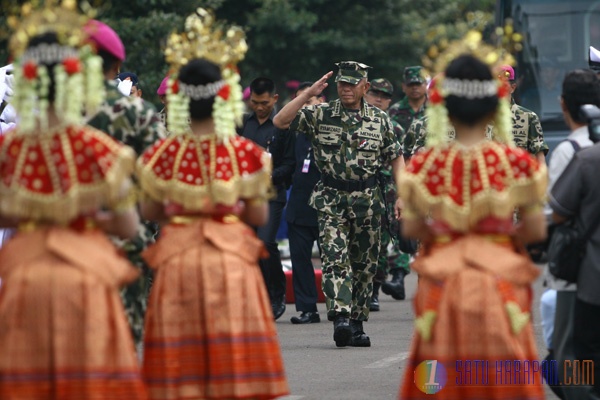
[494, 55]
[438, 57]
[75, 69]
[205, 38]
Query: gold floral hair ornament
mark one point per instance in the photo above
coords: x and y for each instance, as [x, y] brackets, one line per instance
[205, 38]
[76, 70]
[494, 56]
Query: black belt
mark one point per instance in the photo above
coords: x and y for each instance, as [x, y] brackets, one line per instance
[349, 186]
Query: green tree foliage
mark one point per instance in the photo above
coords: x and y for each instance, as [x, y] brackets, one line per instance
[292, 39]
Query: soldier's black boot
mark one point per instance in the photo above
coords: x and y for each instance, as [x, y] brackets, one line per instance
[359, 337]
[375, 297]
[342, 333]
[395, 286]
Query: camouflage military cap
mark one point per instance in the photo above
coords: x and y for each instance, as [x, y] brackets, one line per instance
[351, 72]
[414, 75]
[382, 85]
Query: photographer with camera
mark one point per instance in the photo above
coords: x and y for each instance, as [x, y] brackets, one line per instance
[580, 87]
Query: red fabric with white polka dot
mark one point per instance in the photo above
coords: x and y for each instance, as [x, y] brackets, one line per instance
[494, 164]
[54, 163]
[184, 164]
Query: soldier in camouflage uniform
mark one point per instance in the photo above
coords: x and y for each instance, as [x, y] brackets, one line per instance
[527, 130]
[351, 140]
[413, 135]
[391, 259]
[412, 106]
[416, 136]
[136, 123]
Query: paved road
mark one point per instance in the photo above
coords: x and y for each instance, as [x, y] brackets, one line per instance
[318, 370]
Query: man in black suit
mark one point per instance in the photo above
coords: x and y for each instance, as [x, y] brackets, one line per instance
[259, 128]
[303, 229]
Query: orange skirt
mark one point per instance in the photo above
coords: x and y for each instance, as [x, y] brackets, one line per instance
[209, 329]
[63, 331]
[464, 329]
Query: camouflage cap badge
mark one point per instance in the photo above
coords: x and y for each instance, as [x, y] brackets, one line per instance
[414, 75]
[351, 72]
[382, 85]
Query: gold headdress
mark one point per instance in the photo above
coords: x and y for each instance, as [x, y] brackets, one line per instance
[76, 70]
[225, 46]
[440, 56]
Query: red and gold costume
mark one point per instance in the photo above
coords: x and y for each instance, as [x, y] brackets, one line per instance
[474, 297]
[209, 327]
[63, 331]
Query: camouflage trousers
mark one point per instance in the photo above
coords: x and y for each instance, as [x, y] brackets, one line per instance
[390, 258]
[135, 297]
[349, 252]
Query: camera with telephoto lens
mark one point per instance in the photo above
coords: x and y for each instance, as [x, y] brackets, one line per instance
[591, 114]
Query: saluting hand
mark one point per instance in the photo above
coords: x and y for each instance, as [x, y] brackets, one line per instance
[286, 115]
[317, 88]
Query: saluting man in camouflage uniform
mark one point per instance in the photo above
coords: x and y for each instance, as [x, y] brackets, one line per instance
[136, 123]
[393, 261]
[351, 140]
[412, 106]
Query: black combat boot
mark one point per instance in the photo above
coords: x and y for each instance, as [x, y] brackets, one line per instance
[342, 333]
[359, 337]
[375, 297]
[395, 286]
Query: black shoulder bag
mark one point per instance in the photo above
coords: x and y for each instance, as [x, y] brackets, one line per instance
[566, 249]
[566, 246]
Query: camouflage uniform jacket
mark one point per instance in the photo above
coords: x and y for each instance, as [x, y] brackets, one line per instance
[347, 146]
[128, 119]
[399, 133]
[416, 136]
[136, 123]
[403, 114]
[527, 130]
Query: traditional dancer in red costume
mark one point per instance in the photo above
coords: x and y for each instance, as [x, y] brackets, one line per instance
[209, 327]
[473, 302]
[63, 331]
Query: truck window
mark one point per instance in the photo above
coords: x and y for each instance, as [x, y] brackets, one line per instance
[557, 35]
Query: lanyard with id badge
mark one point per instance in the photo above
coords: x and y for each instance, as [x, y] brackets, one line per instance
[306, 164]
